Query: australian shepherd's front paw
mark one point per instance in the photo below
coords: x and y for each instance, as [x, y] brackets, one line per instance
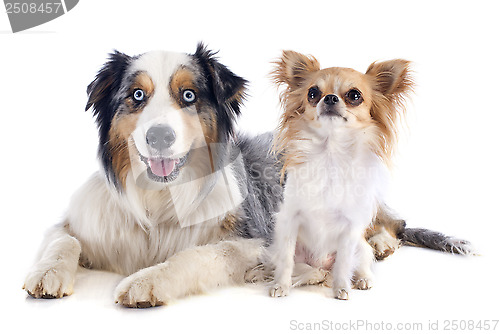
[140, 290]
[49, 282]
[279, 290]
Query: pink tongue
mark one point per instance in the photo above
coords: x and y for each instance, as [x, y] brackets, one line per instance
[162, 167]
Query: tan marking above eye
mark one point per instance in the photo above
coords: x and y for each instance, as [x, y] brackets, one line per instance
[181, 81]
[144, 82]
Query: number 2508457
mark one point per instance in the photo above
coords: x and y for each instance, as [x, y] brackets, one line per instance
[32, 8]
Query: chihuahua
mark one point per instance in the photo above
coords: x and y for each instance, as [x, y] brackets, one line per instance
[336, 137]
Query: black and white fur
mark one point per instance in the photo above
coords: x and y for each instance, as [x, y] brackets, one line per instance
[175, 237]
[202, 226]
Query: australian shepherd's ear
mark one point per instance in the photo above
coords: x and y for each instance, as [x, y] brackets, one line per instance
[391, 83]
[103, 99]
[107, 81]
[292, 68]
[228, 88]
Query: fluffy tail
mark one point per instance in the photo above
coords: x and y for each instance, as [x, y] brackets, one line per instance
[388, 232]
[420, 237]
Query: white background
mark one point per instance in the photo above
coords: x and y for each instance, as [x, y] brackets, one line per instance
[446, 176]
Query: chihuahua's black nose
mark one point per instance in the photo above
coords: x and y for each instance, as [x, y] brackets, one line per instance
[160, 137]
[331, 99]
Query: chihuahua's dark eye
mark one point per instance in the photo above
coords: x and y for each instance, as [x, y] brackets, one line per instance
[354, 97]
[313, 95]
[138, 95]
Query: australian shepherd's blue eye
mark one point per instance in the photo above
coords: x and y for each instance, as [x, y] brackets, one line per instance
[138, 95]
[188, 96]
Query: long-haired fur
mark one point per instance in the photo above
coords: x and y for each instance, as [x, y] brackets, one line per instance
[337, 131]
[291, 70]
[128, 217]
[392, 83]
[201, 225]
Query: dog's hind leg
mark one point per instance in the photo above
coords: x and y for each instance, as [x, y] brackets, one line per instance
[190, 271]
[383, 234]
[259, 274]
[303, 274]
[53, 274]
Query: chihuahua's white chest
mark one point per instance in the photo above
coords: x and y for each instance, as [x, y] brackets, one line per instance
[334, 192]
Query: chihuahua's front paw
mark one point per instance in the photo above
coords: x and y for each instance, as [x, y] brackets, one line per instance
[363, 284]
[279, 290]
[341, 294]
[49, 282]
[140, 290]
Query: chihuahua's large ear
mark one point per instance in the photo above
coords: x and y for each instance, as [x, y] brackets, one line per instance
[391, 82]
[292, 68]
[392, 78]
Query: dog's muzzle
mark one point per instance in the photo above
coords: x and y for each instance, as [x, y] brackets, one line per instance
[161, 166]
[330, 106]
